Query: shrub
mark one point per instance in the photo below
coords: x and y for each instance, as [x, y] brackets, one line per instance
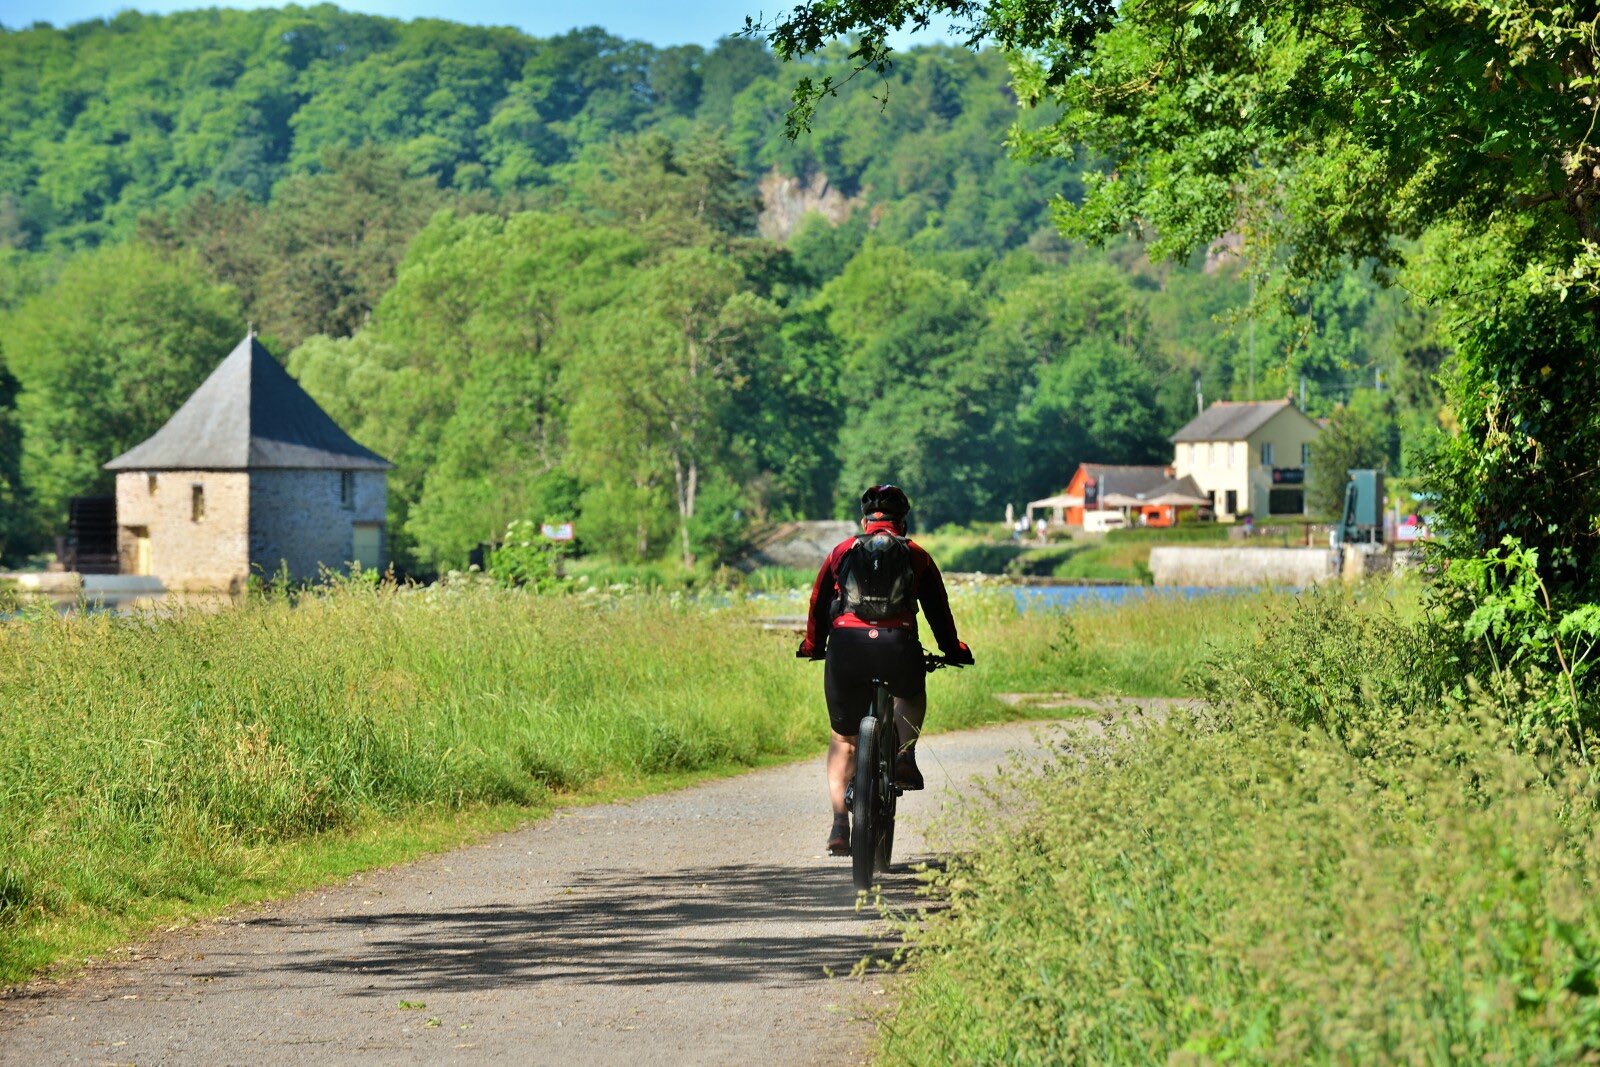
[526, 558]
[1348, 663]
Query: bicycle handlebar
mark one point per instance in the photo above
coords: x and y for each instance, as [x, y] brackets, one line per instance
[932, 661]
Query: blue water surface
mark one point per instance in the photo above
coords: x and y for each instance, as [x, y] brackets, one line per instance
[1062, 597]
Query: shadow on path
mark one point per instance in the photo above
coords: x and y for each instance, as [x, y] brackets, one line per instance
[755, 923]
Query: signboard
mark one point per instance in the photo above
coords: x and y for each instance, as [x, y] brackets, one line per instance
[1288, 475]
[557, 531]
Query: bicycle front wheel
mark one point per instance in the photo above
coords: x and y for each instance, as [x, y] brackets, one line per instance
[864, 829]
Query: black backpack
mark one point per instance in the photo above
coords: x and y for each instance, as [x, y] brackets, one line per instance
[876, 579]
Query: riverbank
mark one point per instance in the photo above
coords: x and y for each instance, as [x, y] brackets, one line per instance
[158, 767]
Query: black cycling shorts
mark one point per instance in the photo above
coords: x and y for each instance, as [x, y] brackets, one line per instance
[857, 656]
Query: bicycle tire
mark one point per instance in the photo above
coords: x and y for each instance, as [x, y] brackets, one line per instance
[863, 824]
[885, 850]
[888, 747]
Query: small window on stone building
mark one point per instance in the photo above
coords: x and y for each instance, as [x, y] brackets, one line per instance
[150, 483]
[197, 502]
[347, 488]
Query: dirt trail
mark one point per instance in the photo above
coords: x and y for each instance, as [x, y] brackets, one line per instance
[695, 927]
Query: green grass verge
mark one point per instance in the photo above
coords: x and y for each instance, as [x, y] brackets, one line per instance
[1313, 872]
[158, 767]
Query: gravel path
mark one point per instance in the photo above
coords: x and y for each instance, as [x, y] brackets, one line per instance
[695, 927]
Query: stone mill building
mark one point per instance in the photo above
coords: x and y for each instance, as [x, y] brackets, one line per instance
[249, 476]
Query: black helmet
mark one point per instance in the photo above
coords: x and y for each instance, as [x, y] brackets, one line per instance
[885, 501]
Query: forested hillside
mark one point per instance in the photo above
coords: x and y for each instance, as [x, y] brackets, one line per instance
[586, 277]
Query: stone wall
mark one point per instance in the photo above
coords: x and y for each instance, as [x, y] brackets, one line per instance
[298, 518]
[187, 553]
[1208, 566]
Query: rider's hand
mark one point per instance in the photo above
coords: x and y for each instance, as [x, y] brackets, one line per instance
[962, 654]
[807, 651]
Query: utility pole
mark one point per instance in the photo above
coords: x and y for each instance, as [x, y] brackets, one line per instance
[1253, 336]
[1199, 398]
[1302, 392]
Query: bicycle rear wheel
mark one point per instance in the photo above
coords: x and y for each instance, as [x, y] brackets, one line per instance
[885, 848]
[888, 743]
[864, 828]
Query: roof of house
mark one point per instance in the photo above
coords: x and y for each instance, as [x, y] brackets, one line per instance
[1231, 420]
[1129, 481]
[249, 414]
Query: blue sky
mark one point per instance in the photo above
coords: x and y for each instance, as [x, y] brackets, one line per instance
[661, 23]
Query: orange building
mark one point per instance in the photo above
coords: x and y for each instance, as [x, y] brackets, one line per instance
[1149, 494]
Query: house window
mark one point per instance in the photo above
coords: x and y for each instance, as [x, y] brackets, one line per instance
[347, 488]
[1211, 453]
[150, 483]
[1266, 454]
[197, 502]
[1305, 455]
[1233, 449]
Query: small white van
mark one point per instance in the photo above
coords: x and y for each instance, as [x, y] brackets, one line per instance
[1101, 521]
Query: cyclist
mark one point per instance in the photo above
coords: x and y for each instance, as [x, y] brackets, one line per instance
[874, 635]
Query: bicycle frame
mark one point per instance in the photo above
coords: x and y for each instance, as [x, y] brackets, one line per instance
[874, 788]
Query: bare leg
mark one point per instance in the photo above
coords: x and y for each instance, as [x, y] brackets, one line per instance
[908, 715]
[841, 765]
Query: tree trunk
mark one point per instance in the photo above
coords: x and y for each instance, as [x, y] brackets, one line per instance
[686, 479]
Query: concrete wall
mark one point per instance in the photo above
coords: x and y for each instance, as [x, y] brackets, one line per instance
[186, 553]
[1207, 566]
[297, 517]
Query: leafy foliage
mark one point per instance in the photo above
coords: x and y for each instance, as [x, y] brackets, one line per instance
[498, 260]
[104, 356]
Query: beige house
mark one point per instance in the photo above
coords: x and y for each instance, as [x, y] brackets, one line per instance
[249, 476]
[1248, 456]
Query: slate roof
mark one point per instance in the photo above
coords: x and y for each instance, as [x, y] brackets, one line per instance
[1230, 420]
[249, 414]
[1129, 481]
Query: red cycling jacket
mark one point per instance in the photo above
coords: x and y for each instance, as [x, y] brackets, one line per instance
[929, 591]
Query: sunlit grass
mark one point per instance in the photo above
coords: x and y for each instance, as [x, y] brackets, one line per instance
[164, 765]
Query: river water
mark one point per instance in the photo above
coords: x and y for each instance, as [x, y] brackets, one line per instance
[1062, 597]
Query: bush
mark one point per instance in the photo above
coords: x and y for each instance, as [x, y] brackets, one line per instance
[526, 559]
[1347, 663]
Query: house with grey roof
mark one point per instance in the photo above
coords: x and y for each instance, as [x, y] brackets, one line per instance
[1248, 456]
[249, 476]
[1153, 496]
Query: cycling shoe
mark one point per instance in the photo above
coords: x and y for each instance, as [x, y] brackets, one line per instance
[906, 774]
[839, 836]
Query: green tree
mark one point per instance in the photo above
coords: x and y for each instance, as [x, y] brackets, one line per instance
[1320, 133]
[663, 365]
[319, 256]
[458, 377]
[16, 515]
[1359, 436]
[104, 356]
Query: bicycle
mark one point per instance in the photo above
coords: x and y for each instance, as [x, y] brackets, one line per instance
[873, 792]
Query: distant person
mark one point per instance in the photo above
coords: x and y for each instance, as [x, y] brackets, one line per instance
[1039, 529]
[1019, 530]
[868, 629]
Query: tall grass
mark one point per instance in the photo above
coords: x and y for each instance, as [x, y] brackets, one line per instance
[1262, 896]
[1326, 866]
[150, 762]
